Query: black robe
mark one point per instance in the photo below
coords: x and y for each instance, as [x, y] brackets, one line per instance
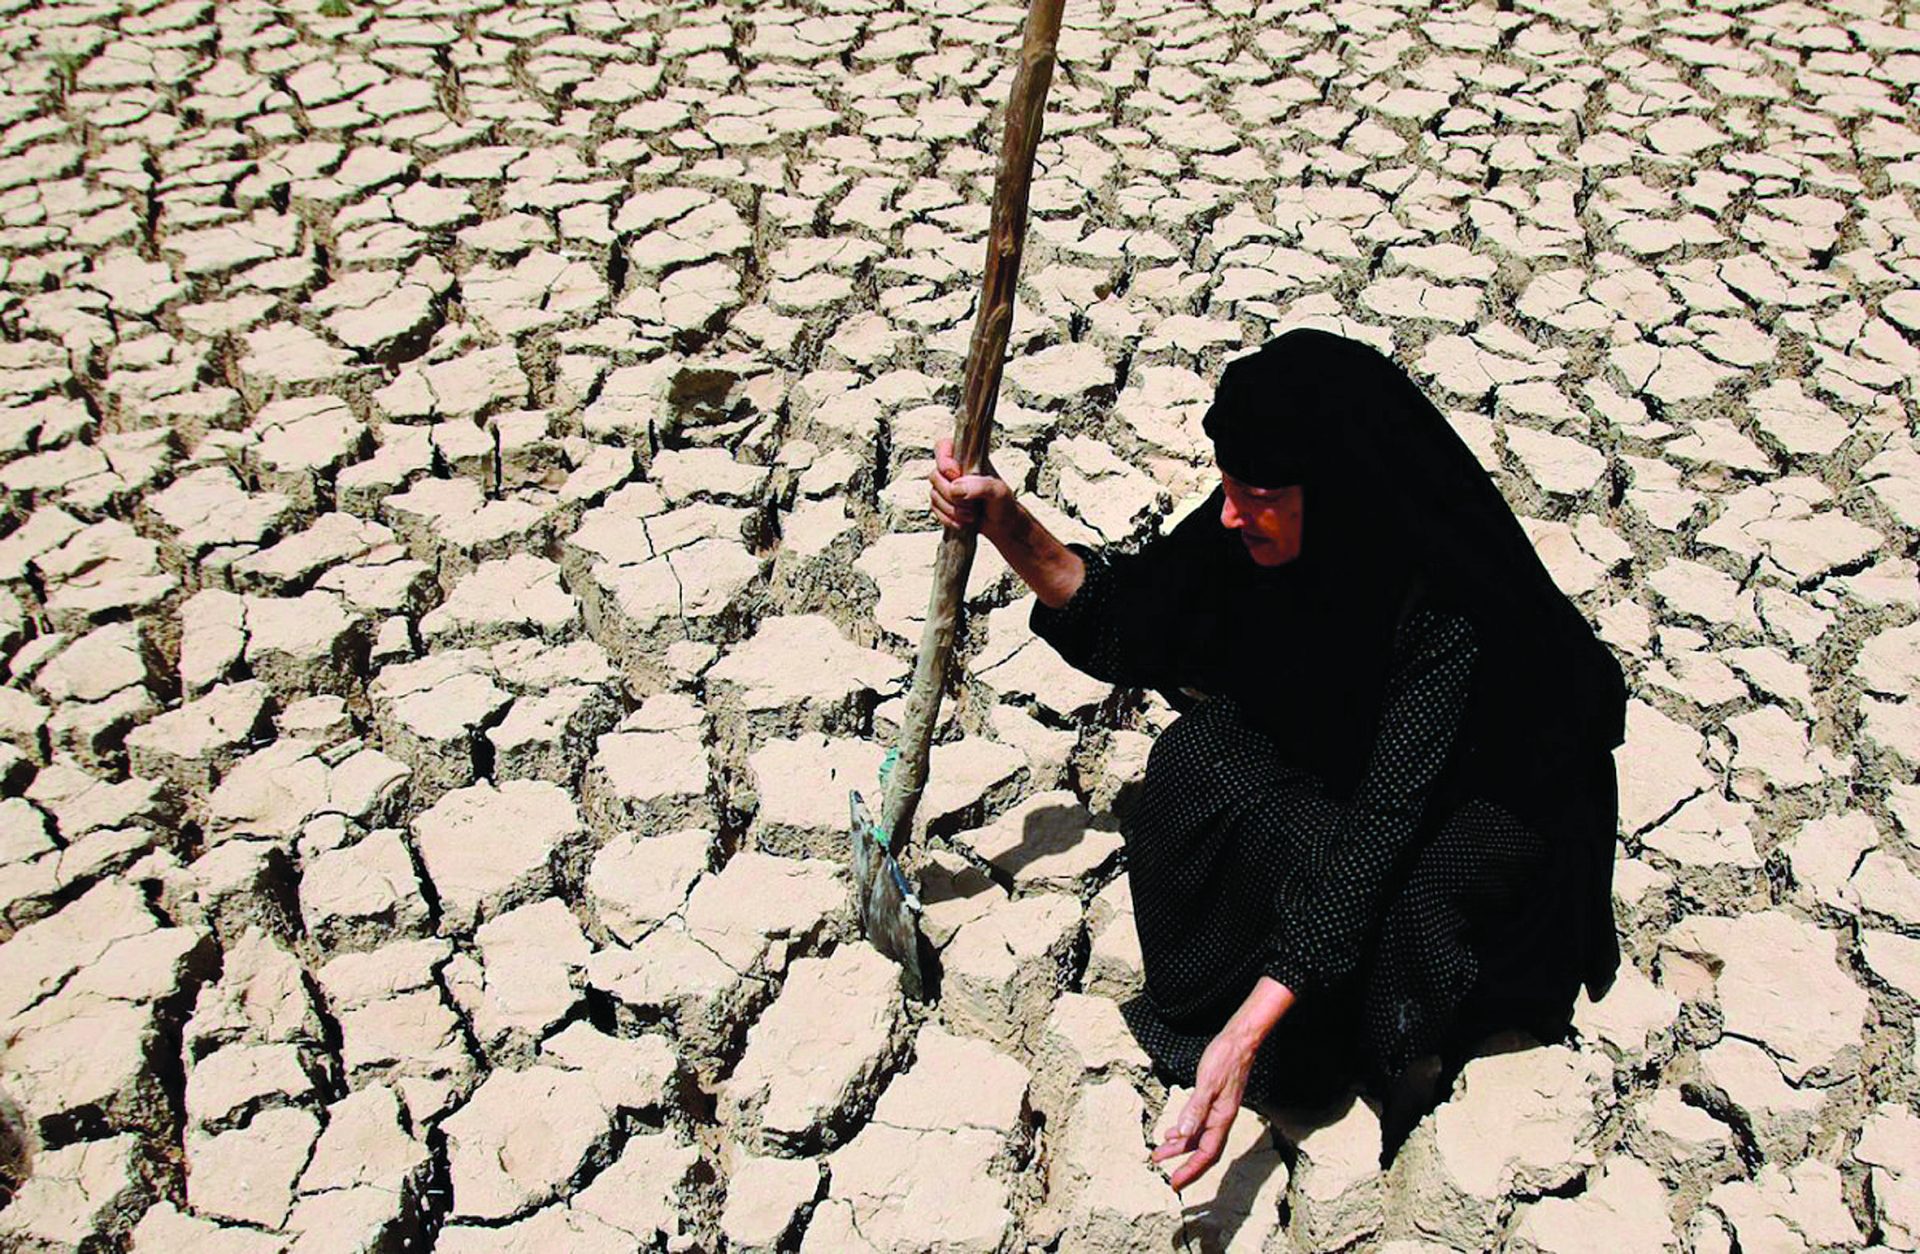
[1344, 807]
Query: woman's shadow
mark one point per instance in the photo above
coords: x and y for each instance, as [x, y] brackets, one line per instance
[1047, 831]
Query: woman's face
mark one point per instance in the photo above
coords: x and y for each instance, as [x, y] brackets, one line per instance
[1268, 519]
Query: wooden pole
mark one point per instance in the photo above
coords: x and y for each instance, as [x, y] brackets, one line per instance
[973, 429]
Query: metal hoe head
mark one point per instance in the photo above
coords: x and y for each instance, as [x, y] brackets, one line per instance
[889, 910]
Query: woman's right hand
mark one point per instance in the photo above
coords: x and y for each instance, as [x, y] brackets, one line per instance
[985, 503]
[966, 502]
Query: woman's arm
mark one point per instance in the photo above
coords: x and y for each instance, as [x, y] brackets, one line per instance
[1108, 614]
[1318, 943]
[1263, 1008]
[1220, 1083]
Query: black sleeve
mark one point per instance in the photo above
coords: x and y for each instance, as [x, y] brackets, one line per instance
[1110, 629]
[1317, 942]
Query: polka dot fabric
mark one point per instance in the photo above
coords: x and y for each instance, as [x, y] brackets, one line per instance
[1368, 907]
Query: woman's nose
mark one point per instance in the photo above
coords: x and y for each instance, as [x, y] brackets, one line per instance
[1229, 516]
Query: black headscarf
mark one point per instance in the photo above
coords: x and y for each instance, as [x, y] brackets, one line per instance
[1393, 496]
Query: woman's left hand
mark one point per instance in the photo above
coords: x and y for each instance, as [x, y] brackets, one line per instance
[1219, 1082]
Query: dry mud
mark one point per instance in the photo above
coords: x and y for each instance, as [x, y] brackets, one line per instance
[464, 530]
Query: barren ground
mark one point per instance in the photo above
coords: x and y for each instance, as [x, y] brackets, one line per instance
[461, 469]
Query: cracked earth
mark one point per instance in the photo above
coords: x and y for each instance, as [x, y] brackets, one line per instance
[462, 482]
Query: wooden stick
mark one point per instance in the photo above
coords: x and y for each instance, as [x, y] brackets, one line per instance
[973, 430]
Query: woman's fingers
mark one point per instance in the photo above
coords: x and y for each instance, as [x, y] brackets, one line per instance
[1211, 1143]
[944, 460]
[957, 499]
[953, 487]
[962, 500]
[951, 508]
[975, 487]
[1220, 1079]
[1210, 1111]
[960, 517]
[1174, 1146]
[1192, 1119]
[954, 521]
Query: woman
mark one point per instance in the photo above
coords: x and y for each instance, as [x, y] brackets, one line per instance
[1383, 825]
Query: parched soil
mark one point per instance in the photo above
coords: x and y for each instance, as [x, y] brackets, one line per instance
[463, 530]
